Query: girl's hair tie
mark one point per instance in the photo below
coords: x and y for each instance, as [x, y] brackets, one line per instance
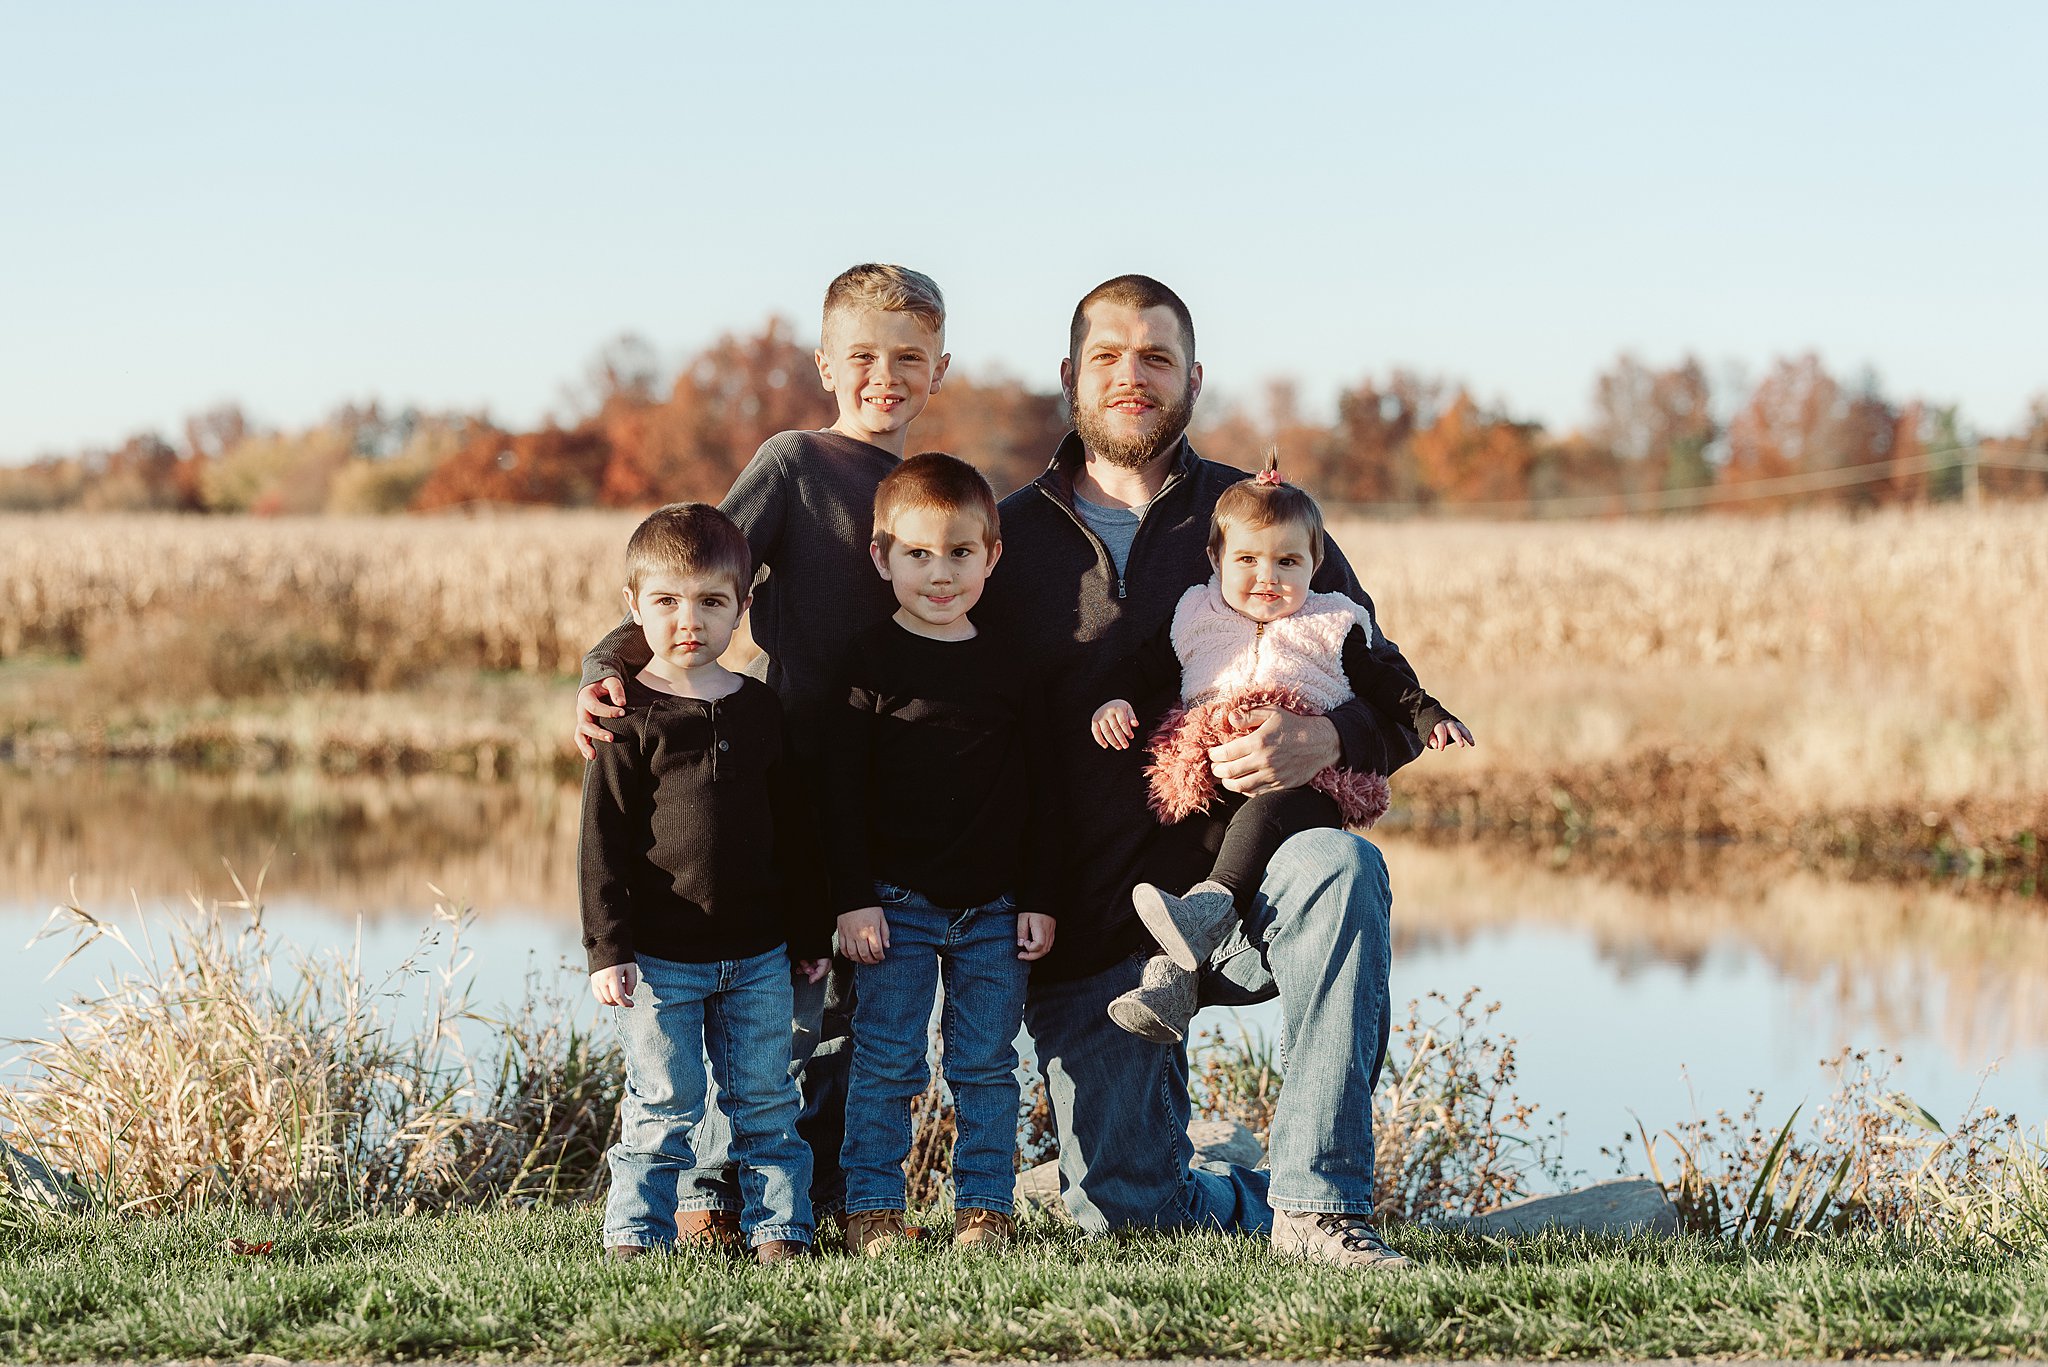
[1270, 478]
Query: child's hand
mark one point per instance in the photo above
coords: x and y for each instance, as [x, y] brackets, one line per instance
[1034, 934]
[1449, 733]
[1114, 725]
[614, 986]
[813, 969]
[863, 935]
[591, 704]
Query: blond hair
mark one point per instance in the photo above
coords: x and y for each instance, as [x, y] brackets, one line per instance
[892, 289]
[938, 481]
[690, 538]
[1265, 500]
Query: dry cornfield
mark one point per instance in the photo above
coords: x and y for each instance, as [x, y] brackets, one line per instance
[1901, 654]
[518, 591]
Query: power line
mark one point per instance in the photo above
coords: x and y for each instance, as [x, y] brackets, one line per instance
[1713, 495]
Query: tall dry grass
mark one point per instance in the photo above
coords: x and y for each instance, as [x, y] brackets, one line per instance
[219, 1065]
[1892, 658]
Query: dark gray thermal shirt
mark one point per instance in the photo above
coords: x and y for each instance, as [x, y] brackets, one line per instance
[806, 502]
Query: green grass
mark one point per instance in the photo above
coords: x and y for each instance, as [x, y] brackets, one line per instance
[530, 1285]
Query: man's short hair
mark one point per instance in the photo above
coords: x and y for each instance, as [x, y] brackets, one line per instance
[1139, 292]
[938, 481]
[892, 289]
[1263, 501]
[690, 538]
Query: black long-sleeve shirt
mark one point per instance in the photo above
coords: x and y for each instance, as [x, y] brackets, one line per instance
[806, 502]
[931, 771]
[1060, 596]
[695, 843]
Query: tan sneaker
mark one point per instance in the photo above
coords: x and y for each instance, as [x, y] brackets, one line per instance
[780, 1250]
[621, 1252]
[715, 1229]
[1341, 1240]
[987, 1229]
[872, 1233]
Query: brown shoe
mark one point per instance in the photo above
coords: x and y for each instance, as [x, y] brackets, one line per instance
[872, 1233]
[716, 1229]
[986, 1229]
[780, 1250]
[621, 1252]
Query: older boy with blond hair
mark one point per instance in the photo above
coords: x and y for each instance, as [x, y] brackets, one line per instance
[805, 503]
[693, 859]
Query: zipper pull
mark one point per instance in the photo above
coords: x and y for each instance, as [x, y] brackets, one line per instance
[1119, 586]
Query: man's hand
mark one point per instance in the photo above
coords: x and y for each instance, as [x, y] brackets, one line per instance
[813, 970]
[863, 935]
[590, 705]
[1450, 733]
[1114, 725]
[1034, 935]
[1282, 751]
[614, 986]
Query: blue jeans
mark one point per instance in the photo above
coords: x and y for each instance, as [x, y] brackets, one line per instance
[1318, 940]
[976, 952]
[713, 1184]
[737, 1013]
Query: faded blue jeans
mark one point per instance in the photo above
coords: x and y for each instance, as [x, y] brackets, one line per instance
[736, 1013]
[1319, 941]
[975, 951]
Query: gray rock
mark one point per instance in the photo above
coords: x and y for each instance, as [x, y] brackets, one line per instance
[1225, 1141]
[37, 1183]
[1215, 1141]
[1040, 1187]
[1626, 1205]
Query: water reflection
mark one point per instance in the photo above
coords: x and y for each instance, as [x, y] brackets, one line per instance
[1746, 976]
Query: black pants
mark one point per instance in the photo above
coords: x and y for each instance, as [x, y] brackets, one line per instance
[1246, 837]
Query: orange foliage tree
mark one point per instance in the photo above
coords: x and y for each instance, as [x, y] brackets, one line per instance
[1470, 456]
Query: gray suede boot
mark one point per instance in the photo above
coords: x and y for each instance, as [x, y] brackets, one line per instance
[1161, 1005]
[1188, 928]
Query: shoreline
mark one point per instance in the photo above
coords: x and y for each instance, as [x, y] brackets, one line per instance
[1660, 819]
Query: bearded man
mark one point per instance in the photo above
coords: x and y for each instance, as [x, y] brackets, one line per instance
[1098, 550]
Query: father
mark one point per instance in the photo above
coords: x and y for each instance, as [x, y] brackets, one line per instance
[1097, 552]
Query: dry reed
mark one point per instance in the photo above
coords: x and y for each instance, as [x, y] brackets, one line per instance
[212, 1070]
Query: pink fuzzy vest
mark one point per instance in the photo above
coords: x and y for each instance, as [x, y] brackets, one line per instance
[1231, 666]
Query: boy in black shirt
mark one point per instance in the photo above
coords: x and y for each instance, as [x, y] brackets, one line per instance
[807, 503]
[930, 803]
[692, 862]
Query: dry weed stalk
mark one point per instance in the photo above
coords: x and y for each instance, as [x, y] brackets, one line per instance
[207, 1070]
[1872, 1159]
[1450, 1137]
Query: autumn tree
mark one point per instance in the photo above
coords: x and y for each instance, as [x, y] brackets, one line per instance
[1658, 424]
[1789, 424]
[1007, 431]
[728, 399]
[1370, 455]
[556, 466]
[1470, 456]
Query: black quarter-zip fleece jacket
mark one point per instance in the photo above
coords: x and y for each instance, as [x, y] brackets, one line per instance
[1057, 592]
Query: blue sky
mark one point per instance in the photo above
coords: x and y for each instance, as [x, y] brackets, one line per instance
[456, 205]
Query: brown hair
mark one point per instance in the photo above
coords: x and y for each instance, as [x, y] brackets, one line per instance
[892, 289]
[690, 538]
[1262, 501]
[935, 480]
[1139, 292]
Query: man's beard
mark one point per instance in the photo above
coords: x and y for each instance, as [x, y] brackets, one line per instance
[1134, 452]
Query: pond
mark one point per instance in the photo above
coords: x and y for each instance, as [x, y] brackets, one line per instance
[1640, 998]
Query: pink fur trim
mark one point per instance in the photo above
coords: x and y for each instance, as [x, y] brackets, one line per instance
[1179, 781]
